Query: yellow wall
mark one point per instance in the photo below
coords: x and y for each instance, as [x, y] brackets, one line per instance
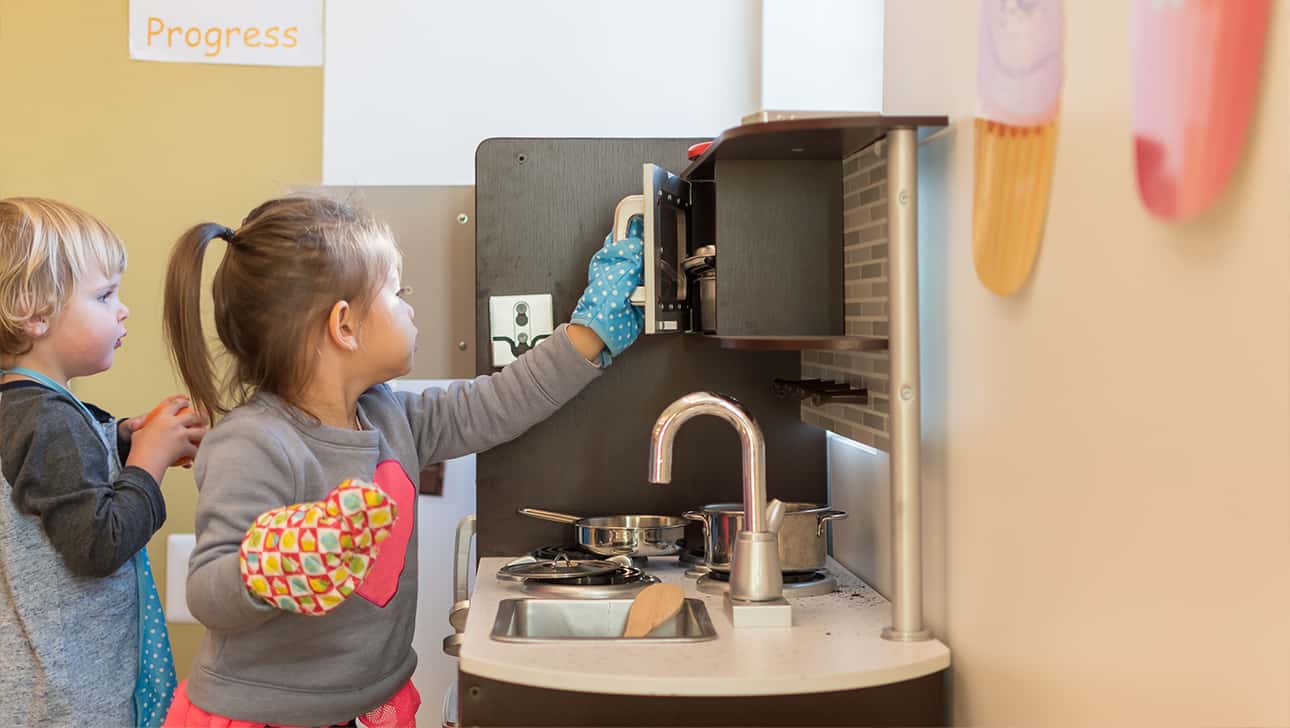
[1105, 468]
[151, 148]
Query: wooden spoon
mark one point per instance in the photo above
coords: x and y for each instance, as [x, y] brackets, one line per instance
[654, 605]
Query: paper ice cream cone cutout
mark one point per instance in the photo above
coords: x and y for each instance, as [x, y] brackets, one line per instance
[1019, 82]
[1196, 67]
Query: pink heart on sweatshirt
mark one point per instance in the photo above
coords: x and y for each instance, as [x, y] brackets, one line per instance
[382, 581]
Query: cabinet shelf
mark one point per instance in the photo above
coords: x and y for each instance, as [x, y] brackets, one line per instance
[801, 343]
[835, 137]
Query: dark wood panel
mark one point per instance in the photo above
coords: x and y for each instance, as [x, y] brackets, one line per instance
[779, 248]
[543, 207]
[917, 702]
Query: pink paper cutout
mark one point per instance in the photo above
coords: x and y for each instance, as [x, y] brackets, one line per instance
[1196, 67]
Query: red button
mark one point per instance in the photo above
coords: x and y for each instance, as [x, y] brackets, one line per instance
[697, 150]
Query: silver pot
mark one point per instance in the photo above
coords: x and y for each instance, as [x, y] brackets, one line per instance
[621, 535]
[702, 269]
[802, 545]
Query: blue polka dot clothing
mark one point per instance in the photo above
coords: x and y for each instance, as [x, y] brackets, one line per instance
[616, 270]
[156, 682]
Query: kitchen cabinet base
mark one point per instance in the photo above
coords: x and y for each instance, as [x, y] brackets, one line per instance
[917, 702]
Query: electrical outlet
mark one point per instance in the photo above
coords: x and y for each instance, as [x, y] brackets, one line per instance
[517, 324]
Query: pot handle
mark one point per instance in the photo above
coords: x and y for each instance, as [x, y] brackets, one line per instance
[697, 516]
[542, 515]
[829, 515]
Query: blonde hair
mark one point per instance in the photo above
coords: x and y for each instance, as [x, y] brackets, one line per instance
[286, 266]
[46, 248]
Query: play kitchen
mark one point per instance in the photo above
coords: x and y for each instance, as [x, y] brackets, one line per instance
[586, 514]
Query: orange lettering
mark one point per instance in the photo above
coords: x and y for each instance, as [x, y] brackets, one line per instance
[170, 36]
[215, 45]
[193, 37]
[160, 25]
[249, 35]
[290, 35]
[232, 32]
[272, 34]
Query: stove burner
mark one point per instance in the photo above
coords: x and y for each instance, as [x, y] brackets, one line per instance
[571, 591]
[624, 581]
[576, 553]
[624, 575]
[546, 553]
[796, 584]
[691, 556]
[790, 577]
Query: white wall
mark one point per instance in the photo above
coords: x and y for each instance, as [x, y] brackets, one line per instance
[821, 55]
[1105, 453]
[411, 88]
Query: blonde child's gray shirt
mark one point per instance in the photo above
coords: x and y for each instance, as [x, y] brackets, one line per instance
[71, 518]
[262, 664]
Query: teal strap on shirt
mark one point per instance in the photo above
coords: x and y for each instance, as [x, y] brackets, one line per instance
[48, 382]
[155, 684]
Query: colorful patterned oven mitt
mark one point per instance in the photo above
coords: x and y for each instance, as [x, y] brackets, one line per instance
[605, 307]
[308, 558]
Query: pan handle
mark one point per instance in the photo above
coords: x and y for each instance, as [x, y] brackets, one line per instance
[542, 515]
[697, 516]
[827, 516]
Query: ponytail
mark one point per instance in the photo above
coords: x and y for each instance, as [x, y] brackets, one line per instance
[285, 267]
[182, 318]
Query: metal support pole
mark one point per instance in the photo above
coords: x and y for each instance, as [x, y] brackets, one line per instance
[906, 485]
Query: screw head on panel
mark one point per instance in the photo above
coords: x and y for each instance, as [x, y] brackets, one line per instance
[462, 218]
[906, 392]
[903, 197]
[461, 345]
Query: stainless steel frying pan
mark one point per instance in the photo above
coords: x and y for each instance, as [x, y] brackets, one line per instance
[621, 535]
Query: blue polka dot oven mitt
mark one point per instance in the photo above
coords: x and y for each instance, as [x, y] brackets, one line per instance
[616, 270]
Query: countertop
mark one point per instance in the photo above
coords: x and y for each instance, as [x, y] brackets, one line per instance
[835, 643]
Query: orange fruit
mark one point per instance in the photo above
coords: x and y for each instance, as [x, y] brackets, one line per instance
[181, 462]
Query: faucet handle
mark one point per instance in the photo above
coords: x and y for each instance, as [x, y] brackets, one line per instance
[775, 511]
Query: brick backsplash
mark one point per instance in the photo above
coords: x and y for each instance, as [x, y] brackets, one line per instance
[864, 256]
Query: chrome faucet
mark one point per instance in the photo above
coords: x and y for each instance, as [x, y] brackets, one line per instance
[754, 570]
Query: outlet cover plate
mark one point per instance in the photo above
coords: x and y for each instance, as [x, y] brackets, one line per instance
[525, 320]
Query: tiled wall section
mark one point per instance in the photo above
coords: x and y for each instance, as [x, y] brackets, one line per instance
[864, 229]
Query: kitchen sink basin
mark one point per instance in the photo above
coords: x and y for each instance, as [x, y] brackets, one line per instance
[593, 620]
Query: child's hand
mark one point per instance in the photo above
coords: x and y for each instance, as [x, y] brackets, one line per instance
[605, 307]
[168, 435]
[308, 558]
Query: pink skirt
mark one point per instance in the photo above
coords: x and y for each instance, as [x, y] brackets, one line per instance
[400, 711]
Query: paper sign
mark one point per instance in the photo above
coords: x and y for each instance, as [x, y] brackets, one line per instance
[246, 32]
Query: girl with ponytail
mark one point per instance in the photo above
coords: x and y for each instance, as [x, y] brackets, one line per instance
[305, 571]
